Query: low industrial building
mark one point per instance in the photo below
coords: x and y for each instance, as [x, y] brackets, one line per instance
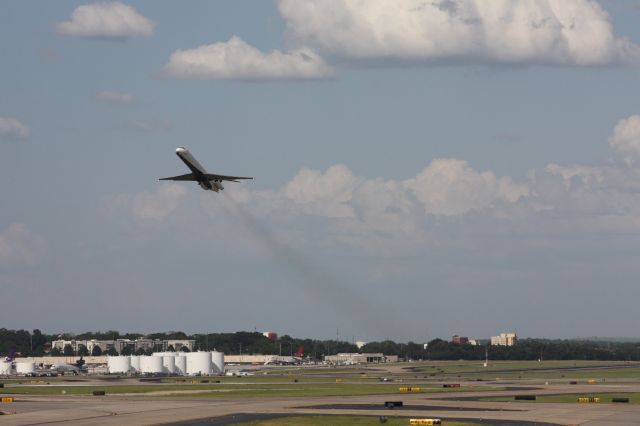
[119, 345]
[355, 358]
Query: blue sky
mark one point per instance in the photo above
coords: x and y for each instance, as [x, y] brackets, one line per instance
[409, 161]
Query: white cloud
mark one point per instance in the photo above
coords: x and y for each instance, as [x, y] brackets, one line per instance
[149, 207]
[450, 187]
[11, 128]
[625, 140]
[327, 194]
[113, 20]
[237, 60]
[19, 246]
[114, 97]
[563, 32]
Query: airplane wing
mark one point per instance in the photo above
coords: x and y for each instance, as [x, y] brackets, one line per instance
[188, 176]
[223, 177]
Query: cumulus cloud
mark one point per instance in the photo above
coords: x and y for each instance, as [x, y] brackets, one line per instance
[328, 193]
[562, 32]
[110, 20]
[114, 97]
[11, 128]
[237, 60]
[451, 187]
[149, 207]
[19, 246]
[625, 140]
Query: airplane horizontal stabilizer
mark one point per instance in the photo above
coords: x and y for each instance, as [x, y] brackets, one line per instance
[188, 176]
[210, 176]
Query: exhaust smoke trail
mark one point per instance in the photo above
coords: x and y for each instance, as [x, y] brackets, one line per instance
[317, 282]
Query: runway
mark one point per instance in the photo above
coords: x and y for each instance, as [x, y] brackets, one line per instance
[132, 410]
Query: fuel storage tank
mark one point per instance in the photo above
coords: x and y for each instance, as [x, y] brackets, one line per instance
[169, 364]
[217, 359]
[135, 364]
[181, 365]
[151, 364]
[199, 363]
[118, 364]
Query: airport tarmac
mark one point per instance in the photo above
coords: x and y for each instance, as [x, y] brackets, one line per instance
[118, 409]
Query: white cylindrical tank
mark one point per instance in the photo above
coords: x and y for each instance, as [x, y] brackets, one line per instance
[169, 364]
[181, 365]
[118, 364]
[5, 368]
[199, 363]
[151, 364]
[217, 359]
[25, 367]
[135, 363]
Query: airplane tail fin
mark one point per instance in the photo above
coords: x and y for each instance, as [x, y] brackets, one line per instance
[300, 352]
[11, 356]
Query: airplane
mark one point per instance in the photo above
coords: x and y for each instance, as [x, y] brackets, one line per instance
[297, 358]
[6, 365]
[207, 181]
[65, 369]
[74, 368]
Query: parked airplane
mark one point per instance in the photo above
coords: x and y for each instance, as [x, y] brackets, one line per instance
[297, 358]
[207, 181]
[75, 368]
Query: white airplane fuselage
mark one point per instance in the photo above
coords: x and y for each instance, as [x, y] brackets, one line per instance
[198, 171]
[65, 368]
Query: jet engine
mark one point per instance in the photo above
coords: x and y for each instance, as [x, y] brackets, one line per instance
[217, 185]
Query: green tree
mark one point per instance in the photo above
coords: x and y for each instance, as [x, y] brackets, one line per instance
[82, 350]
[68, 350]
[111, 351]
[38, 342]
[96, 351]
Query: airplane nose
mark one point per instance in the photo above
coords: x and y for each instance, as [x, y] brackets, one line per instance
[180, 149]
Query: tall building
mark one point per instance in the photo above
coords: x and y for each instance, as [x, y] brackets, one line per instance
[504, 339]
[459, 340]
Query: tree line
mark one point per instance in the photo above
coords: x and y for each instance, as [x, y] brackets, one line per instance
[36, 343]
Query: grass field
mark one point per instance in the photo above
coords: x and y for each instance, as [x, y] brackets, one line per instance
[223, 390]
[532, 370]
[634, 398]
[340, 421]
